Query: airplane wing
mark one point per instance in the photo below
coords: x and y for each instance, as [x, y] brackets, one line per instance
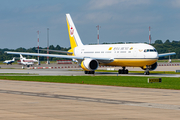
[58, 51]
[167, 54]
[104, 60]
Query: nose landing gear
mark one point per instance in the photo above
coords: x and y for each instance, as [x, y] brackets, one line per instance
[147, 71]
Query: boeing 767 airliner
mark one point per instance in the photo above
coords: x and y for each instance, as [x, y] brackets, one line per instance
[90, 57]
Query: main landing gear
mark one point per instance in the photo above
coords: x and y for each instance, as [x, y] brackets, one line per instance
[89, 72]
[123, 71]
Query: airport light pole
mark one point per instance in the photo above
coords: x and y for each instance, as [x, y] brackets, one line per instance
[98, 33]
[38, 46]
[48, 46]
[149, 35]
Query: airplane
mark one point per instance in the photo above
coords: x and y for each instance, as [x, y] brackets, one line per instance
[27, 62]
[9, 61]
[90, 57]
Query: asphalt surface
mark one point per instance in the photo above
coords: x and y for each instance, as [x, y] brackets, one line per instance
[78, 71]
[22, 100]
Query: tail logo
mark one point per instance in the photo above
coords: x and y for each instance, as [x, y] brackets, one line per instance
[71, 31]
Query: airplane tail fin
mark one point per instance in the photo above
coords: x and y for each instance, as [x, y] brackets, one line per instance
[73, 34]
[21, 57]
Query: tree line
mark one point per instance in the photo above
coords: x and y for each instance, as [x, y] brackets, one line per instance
[4, 56]
[161, 47]
[168, 46]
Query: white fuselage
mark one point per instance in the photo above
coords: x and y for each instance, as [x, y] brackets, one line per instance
[9, 61]
[123, 54]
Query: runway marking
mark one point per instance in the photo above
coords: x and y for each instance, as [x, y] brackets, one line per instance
[99, 100]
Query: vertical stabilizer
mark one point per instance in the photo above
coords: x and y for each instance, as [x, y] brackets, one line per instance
[13, 59]
[73, 34]
[21, 56]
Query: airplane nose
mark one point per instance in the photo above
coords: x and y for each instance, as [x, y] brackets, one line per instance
[151, 55]
[156, 55]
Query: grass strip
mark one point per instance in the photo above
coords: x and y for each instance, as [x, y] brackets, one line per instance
[125, 81]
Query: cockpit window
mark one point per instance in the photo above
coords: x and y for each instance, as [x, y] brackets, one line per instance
[150, 50]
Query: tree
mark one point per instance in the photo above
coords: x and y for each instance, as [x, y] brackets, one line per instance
[51, 47]
[58, 47]
[158, 42]
[167, 42]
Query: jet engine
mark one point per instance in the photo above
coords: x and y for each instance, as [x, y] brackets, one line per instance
[89, 64]
[151, 67]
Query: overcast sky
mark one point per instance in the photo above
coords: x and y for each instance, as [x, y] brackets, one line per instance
[120, 21]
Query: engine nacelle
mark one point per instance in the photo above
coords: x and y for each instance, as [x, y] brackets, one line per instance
[89, 64]
[151, 67]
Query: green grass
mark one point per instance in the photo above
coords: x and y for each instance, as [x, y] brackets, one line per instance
[125, 81]
[172, 60]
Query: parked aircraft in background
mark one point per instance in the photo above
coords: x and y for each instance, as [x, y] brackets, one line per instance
[9, 61]
[27, 62]
[90, 57]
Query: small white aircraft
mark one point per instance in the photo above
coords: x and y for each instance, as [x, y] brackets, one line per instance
[9, 61]
[90, 57]
[27, 62]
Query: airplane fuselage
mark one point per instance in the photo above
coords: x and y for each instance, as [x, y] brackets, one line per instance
[131, 55]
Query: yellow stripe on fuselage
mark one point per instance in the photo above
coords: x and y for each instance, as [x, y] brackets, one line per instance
[131, 62]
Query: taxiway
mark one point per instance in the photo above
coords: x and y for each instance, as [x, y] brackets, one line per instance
[78, 71]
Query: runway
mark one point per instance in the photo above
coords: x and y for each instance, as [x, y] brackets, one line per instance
[22, 100]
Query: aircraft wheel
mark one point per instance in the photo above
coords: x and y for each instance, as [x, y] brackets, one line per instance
[89, 72]
[146, 73]
[92, 72]
[126, 71]
[120, 71]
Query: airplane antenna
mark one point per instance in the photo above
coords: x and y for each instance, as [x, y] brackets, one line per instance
[98, 33]
[38, 46]
[149, 35]
[48, 46]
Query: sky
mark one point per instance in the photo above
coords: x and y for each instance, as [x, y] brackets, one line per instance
[120, 21]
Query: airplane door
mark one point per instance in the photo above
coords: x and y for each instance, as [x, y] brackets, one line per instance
[135, 52]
